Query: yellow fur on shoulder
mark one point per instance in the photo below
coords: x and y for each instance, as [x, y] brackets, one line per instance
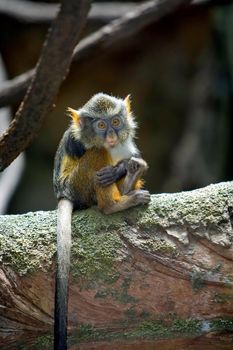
[68, 164]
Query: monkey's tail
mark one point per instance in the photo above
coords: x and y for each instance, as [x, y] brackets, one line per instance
[64, 215]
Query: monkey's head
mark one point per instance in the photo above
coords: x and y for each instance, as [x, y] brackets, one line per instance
[104, 121]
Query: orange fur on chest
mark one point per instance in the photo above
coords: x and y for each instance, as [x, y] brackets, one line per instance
[93, 160]
[80, 174]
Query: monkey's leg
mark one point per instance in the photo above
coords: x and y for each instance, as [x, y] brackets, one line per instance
[110, 200]
[136, 168]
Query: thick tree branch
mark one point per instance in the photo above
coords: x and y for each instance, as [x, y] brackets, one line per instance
[99, 41]
[51, 70]
[162, 271]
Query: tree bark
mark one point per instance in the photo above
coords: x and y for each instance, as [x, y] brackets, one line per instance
[157, 276]
[51, 69]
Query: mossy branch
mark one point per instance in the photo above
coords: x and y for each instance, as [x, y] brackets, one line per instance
[140, 266]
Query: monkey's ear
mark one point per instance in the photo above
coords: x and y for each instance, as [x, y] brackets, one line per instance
[127, 101]
[74, 115]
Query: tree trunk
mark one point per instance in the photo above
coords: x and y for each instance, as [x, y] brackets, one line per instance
[156, 277]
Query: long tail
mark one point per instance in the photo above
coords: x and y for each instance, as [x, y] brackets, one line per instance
[64, 215]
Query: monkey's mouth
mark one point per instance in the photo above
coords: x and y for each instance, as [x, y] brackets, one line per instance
[112, 142]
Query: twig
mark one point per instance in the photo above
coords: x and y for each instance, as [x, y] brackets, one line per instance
[51, 70]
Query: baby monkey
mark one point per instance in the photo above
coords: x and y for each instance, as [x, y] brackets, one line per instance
[97, 163]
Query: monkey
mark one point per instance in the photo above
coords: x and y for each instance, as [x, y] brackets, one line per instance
[97, 163]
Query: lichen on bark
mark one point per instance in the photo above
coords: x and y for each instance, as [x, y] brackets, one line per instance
[133, 269]
[28, 241]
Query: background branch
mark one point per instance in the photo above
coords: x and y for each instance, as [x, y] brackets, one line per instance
[51, 70]
[32, 12]
[100, 41]
[41, 12]
[12, 91]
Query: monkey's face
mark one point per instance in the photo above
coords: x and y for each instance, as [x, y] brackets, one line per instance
[107, 132]
[104, 121]
[111, 131]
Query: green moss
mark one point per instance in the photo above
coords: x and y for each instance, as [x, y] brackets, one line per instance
[44, 342]
[154, 329]
[28, 242]
[130, 314]
[87, 332]
[217, 268]
[121, 294]
[220, 325]
[160, 245]
[91, 221]
[93, 256]
[223, 298]
[145, 314]
[146, 330]
[197, 280]
[204, 205]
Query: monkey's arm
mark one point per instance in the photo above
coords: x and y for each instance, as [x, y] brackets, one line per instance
[126, 195]
[68, 154]
[110, 174]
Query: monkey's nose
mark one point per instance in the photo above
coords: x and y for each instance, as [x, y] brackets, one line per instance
[112, 140]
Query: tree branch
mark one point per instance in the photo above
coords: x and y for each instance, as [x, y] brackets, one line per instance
[160, 271]
[99, 41]
[36, 12]
[51, 70]
[12, 91]
[31, 12]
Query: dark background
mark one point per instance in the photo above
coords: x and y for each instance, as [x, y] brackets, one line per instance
[179, 73]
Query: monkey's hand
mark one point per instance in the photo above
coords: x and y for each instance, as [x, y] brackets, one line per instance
[110, 174]
[106, 176]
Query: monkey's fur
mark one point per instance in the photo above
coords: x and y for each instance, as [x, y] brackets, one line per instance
[97, 163]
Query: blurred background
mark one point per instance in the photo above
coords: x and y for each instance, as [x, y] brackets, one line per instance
[179, 72]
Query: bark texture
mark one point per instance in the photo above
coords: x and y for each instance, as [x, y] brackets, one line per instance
[52, 68]
[158, 276]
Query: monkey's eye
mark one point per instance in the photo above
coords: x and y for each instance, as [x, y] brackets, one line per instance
[116, 122]
[101, 125]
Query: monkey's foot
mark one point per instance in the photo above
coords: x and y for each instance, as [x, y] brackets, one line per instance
[140, 197]
[136, 167]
